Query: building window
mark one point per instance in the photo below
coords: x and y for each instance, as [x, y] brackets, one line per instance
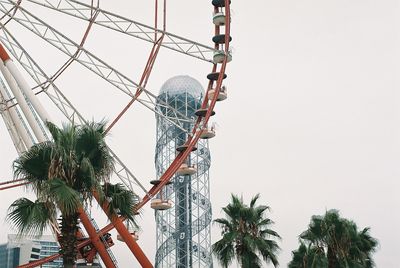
[33, 256]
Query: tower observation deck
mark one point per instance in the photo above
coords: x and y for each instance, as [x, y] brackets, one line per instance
[183, 231]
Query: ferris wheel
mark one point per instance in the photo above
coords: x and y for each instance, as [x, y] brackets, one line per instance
[24, 115]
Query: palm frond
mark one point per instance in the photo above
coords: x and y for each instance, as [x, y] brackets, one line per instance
[270, 233]
[53, 129]
[254, 200]
[223, 222]
[86, 180]
[224, 251]
[91, 144]
[249, 259]
[121, 201]
[33, 164]
[66, 198]
[30, 218]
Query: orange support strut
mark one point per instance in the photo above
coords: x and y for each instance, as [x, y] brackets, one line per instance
[95, 239]
[126, 235]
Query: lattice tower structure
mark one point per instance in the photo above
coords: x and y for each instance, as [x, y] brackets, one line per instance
[183, 232]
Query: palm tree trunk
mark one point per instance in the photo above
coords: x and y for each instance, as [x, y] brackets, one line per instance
[332, 259]
[68, 241]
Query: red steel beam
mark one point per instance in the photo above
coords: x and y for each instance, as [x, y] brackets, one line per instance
[40, 262]
[126, 235]
[95, 239]
[13, 181]
[13, 186]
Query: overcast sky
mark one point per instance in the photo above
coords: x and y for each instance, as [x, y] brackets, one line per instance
[311, 122]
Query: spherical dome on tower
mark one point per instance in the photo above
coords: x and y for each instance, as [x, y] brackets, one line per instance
[182, 84]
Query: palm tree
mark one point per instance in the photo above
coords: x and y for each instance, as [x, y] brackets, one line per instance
[339, 240]
[64, 173]
[246, 235]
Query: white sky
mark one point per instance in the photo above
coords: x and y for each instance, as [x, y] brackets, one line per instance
[311, 122]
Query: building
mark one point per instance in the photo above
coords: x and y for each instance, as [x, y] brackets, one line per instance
[21, 250]
[9, 257]
[183, 230]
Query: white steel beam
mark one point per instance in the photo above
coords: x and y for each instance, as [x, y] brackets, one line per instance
[16, 118]
[22, 103]
[26, 89]
[5, 113]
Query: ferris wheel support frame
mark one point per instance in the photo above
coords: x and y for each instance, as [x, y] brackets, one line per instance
[59, 99]
[201, 122]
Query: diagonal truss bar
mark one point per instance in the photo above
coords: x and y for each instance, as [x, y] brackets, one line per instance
[92, 62]
[129, 27]
[46, 84]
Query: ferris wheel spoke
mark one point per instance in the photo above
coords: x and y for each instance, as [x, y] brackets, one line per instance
[86, 58]
[129, 27]
[62, 103]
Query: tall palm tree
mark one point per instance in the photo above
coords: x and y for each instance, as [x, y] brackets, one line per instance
[246, 235]
[64, 173]
[339, 240]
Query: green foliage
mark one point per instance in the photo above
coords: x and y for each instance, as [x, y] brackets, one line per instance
[34, 165]
[66, 198]
[30, 217]
[331, 241]
[120, 200]
[246, 235]
[308, 257]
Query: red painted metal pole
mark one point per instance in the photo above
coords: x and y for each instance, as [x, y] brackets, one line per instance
[41, 261]
[13, 181]
[131, 243]
[95, 239]
[13, 186]
[126, 235]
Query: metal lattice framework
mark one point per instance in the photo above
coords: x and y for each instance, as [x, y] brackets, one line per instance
[24, 116]
[183, 232]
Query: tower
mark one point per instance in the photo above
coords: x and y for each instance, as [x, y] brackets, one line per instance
[183, 231]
